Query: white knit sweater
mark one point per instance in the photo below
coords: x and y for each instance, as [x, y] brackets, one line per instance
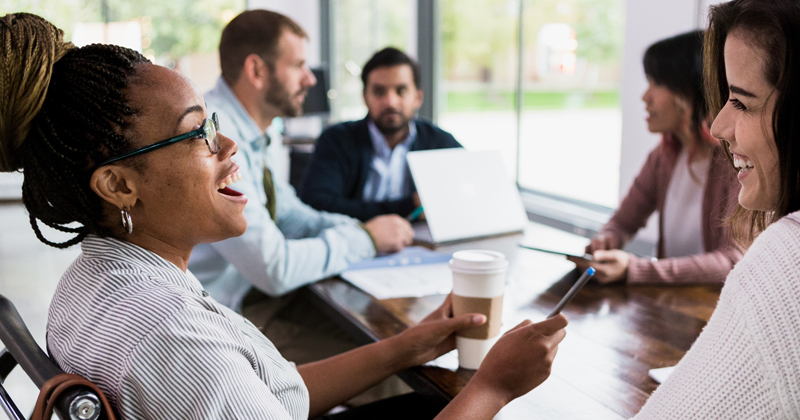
[746, 363]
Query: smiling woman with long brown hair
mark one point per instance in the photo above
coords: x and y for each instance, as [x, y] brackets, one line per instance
[746, 362]
[122, 154]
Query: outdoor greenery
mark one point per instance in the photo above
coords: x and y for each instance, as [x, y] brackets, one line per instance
[63, 13]
[506, 100]
[476, 36]
[479, 37]
[366, 26]
[173, 28]
[598, 25]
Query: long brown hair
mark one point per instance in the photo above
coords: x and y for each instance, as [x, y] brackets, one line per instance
[774, 27]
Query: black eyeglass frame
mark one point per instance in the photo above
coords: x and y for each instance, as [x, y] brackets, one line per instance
[206, 130]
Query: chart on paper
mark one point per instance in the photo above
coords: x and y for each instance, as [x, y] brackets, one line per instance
[413, 272]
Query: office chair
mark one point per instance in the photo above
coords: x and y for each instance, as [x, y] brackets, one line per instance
[76, 403]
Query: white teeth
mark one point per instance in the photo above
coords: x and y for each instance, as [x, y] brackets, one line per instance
[230, 179]
[742, 164]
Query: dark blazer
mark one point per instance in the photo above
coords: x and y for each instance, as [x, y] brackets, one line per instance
[335, 177]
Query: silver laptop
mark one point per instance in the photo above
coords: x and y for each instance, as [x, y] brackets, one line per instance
[466, 195]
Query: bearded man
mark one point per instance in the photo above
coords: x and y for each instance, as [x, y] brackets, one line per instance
[359, 168]
[287, 243]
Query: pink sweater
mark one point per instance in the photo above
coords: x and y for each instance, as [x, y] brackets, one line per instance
[648, 193]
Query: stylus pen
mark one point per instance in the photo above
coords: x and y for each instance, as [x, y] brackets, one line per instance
[415, 214]
[572, 292]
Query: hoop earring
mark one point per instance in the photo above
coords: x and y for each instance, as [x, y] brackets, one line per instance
[127, 222]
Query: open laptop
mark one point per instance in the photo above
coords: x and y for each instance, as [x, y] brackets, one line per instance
[466, 195]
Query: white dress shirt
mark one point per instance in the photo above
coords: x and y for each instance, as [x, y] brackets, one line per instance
[389, 178]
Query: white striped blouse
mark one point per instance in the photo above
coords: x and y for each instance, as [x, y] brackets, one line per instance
[159, 347]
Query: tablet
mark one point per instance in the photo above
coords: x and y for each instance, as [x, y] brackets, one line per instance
[552, 251]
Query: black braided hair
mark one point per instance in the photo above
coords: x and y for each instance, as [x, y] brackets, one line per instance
[81, 122]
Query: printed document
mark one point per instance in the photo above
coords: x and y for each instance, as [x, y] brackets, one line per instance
[412, 272]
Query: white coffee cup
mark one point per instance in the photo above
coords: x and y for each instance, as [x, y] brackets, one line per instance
[479, 279]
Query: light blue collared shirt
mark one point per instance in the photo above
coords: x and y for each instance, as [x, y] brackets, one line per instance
[389, 178]
[305, 245]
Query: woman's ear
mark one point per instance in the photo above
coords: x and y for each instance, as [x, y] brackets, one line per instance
[114, 185]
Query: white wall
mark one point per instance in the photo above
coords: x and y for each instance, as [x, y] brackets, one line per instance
[10, 186]
[645, 22]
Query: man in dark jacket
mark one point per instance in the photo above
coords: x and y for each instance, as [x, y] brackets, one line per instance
[359, 167]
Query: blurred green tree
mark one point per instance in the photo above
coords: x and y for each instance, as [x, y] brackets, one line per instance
[172, 28]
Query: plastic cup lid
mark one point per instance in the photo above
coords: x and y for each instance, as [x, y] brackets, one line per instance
[478, 261]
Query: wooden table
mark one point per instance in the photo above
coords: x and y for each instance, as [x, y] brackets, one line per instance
[616, 333]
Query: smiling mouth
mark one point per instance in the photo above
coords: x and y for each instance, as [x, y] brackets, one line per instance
[742, 163]
[223, 187]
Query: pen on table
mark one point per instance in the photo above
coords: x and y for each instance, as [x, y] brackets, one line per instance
[415, 214]
[584, 278]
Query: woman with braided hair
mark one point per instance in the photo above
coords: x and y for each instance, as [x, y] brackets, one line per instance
[121, 153]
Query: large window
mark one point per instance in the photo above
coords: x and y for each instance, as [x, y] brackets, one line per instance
[180, 34]
[479, 74]
[361, 28]
[572, 120]
[568, 141]
[547, 98]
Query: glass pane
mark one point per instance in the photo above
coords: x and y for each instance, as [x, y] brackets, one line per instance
[180, 34]
[571, 124]
[362, 28]
[479, 74]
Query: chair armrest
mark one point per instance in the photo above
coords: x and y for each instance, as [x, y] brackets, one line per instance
[20, 343]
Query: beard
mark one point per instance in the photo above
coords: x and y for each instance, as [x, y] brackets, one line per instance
[278, 97]
[387, 127]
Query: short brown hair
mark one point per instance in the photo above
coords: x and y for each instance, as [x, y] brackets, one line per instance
[253, 32]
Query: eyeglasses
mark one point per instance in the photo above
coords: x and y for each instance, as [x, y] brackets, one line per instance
[208, 129]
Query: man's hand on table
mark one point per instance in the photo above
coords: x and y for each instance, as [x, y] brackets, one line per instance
[390, 232]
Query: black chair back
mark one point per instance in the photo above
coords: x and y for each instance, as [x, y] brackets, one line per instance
[21, 349]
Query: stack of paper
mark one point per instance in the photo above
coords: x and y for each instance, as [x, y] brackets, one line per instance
[412, 272]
